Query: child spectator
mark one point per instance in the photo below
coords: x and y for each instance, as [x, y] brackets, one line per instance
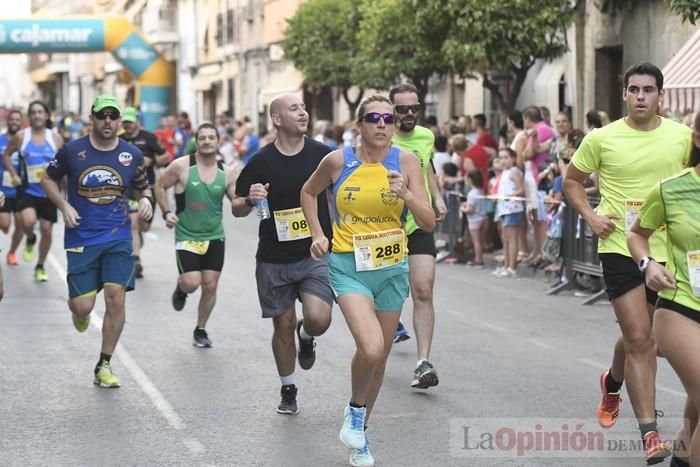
[475, 208]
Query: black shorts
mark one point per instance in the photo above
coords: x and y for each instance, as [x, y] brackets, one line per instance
[621, 274]
[43, 207]
[10, 205]
[678, 308]
[421, 242]
[212, 260]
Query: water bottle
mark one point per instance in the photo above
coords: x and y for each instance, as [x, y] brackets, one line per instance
[262, 209]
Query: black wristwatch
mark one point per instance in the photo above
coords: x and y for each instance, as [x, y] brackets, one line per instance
[249, 203]
[165, 214]
[644, 263]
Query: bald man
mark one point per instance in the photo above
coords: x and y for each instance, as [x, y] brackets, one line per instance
[285, 270]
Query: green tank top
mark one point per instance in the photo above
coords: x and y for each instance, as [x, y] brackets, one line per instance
[199, 207]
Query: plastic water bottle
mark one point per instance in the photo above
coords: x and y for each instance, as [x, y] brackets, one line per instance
[262, 209]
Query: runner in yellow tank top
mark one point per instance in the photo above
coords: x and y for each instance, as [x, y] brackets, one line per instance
[373, 187]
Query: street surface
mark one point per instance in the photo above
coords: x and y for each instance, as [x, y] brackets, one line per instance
[502, 350]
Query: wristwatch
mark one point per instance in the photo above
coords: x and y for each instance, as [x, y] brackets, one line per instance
[644, 263]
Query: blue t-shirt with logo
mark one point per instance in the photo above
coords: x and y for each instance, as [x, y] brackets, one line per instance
[6, 185]
[97, 186]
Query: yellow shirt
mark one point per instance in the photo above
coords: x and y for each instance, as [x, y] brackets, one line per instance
[630, 162]
[362, 200]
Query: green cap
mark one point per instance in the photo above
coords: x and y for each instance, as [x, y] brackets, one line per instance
[130, 114]
[104, 101]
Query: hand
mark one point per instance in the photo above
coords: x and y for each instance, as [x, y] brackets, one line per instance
[531, 132]
[441, 209]
[603, 226]
[145, 209]
[657, 277]
[70, 216]
[171, 220]
[397, 183]
[532, 215]
[16, 180]
[2, 199]
[257, 192]
[319, 247]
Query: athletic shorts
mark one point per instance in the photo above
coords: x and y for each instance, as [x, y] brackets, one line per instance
[212, 260]
[387, 287]
[510, 220]
[279, 284]
[43, 207]
[475, 225]
[621, 274]
[421, 242]
[10, 205]
[107, 263]
[678, 308]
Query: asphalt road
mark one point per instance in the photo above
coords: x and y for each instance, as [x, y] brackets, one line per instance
[507, 356]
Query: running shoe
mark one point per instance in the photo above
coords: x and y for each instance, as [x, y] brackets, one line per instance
[609, 407]
[307, 349]
[178, 299]
[352, 434]
[28, 253]
[12, 259]
[424, 376]
[288, 400]
[138, 269]
[105, 378]
[362, 457]
[401, 333]
[80, 324]
[40, 274]
[656, 450]
[201, 339]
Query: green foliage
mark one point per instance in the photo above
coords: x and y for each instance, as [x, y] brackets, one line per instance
[688, 9]
[321, 41]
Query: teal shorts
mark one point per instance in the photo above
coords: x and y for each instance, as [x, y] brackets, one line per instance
[388, 287]
[107, 263]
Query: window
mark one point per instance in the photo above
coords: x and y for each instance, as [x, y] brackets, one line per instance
[230, 27]
[219, 30]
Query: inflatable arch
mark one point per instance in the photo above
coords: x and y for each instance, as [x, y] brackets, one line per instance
[114, 34]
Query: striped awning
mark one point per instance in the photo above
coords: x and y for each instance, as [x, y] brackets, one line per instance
[682, 78]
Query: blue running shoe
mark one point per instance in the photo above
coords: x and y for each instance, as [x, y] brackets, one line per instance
[401, 333]
[352, 434]
[362, 457]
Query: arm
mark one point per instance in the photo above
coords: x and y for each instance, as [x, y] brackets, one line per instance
[14, 145]
[327, 171]
[656, 276]
[162, 158]
[56, 170]
[409, 186]
[436, 193]
[167, 179]
[602, 226]
[517, 178]
[231, 176]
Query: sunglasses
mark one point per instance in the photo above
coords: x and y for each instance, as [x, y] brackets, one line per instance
[102, 115]
[403, 109]
[373, 117]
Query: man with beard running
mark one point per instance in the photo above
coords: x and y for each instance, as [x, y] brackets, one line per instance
[99, 168]
[200, 182]
[9, 209]
[37, 146]
[420, 141]
[155, 156]
[285, 269]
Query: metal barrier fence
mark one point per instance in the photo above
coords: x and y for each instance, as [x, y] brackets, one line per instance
[580, 252]
[450, 229]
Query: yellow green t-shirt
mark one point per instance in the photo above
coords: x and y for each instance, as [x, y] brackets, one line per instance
[629, 163]
[675, 202]
[421, 143]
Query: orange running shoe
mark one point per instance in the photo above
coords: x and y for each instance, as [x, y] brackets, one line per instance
[12, 259]
[609, 407]
[656, 450]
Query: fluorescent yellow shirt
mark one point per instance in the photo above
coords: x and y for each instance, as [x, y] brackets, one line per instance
[630, 162]
[421, 143]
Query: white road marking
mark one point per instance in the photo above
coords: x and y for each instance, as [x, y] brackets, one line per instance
[159, 401]
[598, 365]
[493, 327]
[538, 343]
[660, 387]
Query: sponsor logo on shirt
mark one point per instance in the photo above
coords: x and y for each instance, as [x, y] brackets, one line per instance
[125, 159]
[350, 219]
[100, 184]
[389, 198]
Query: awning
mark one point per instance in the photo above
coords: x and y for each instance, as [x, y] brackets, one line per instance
[682, 78]
[41, 75]
[547, 84]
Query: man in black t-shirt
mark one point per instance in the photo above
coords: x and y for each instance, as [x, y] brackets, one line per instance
[154, 156]
[285, 269]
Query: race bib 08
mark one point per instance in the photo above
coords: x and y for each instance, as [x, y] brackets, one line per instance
[291, 225]
[378, 250]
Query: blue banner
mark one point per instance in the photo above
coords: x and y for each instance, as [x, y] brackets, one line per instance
[135, 54]
[155, 103]
[45, 35]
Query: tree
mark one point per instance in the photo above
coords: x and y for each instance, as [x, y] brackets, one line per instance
[505, 35]
[321, 42]
[394, 44]
[688, 9]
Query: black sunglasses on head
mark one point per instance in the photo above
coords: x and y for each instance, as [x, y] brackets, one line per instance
[102, 115]
[373, 117]
[403, 109]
